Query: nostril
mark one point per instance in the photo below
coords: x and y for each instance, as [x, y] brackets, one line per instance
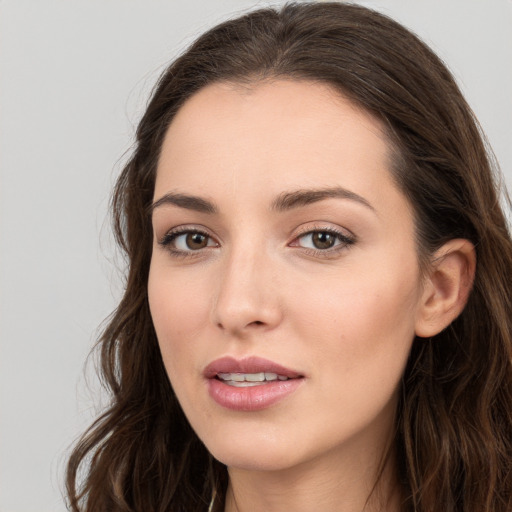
[256, 323]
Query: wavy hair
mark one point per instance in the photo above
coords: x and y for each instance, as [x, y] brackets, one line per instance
[454, 417]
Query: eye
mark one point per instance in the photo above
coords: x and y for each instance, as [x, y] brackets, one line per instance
[323, 240]
[319, 240]
[186, 241]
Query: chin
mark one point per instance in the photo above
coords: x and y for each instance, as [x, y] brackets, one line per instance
[254, 454]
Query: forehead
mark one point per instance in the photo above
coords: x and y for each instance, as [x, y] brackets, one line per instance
[272, 135]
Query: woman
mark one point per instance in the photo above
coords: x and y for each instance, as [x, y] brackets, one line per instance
[317, 313]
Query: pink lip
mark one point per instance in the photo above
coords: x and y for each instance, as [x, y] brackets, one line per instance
[254, 398]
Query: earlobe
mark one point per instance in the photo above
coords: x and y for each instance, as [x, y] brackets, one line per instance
[447, 287]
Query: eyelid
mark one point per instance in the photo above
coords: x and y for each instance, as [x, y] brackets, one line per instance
[329, 228]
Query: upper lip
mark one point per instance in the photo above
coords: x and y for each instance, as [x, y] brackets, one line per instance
[247, 365]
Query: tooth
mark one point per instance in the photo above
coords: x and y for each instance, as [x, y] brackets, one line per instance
[251, 378]
[255, 377]
[244, 384]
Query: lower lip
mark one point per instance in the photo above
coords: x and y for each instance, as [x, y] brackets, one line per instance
[253, 398]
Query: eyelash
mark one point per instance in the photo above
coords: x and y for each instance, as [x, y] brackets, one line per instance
[345, 241]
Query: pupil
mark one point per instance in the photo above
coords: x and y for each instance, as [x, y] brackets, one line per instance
[196, 241]
[323, 240]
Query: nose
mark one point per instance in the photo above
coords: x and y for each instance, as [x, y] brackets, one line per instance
[247, 300]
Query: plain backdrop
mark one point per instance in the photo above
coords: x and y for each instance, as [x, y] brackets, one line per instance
[74, 78]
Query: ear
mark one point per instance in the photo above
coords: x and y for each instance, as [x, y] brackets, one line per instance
[446, 288]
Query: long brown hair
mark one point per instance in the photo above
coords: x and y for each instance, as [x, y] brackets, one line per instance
[454, 419]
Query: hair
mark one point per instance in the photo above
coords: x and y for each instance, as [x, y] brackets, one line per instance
[454, 417]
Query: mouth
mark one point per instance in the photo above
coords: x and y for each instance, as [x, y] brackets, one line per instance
[245, 380]
[250, 384]
[253, 369]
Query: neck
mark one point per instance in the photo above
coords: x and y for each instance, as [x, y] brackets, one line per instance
[326, 485]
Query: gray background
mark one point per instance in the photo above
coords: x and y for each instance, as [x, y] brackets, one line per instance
[74, 78]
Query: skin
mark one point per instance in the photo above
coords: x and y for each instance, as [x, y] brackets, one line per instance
[344, 317]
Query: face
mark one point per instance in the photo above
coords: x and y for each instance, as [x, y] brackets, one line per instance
[284, 282]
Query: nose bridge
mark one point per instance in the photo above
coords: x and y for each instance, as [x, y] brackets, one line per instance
[247, 296]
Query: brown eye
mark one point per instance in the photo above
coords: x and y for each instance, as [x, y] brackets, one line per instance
[187, 241]
[323, 240]
[195, 241]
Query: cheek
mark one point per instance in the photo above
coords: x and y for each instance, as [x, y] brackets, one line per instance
[363, 344]
[179, 310]
[365, 324]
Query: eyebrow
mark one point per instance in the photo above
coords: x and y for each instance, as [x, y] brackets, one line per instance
[283, 202]
[186, 201]
[298, 198]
